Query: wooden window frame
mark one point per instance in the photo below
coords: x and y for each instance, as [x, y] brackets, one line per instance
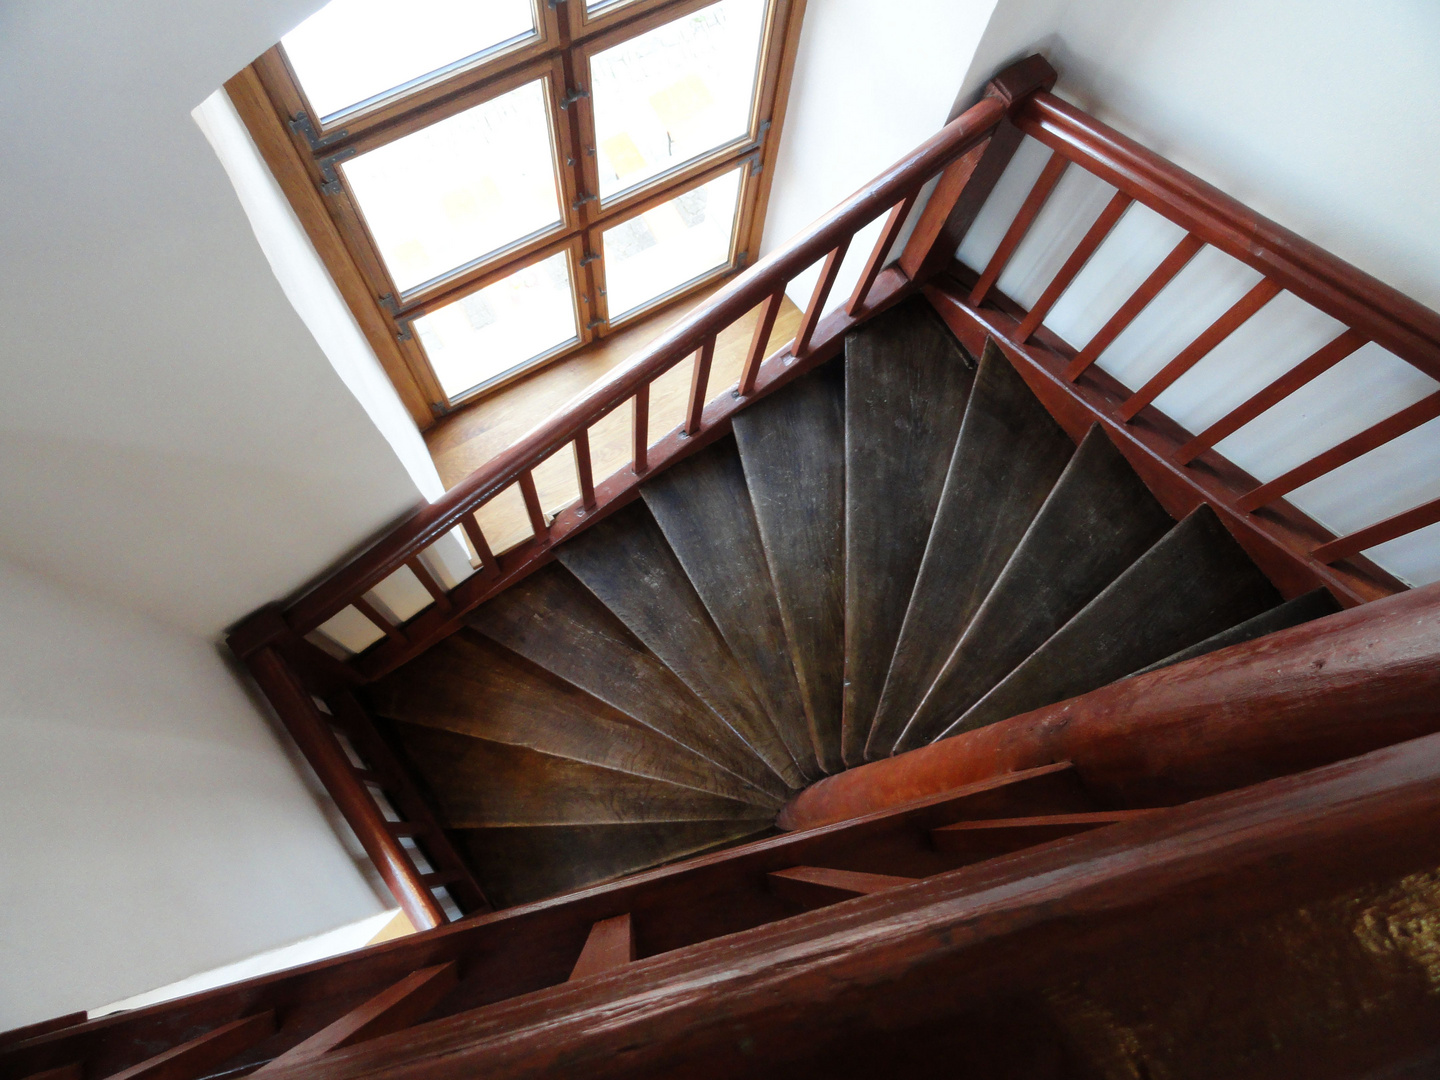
[274, 108]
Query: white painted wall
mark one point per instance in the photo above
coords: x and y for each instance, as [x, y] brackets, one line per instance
[151, 825]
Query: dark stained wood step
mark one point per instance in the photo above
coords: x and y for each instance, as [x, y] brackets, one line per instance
[792, 445]
[1009, 454]
[471, 685]
[816, 886]
[906, 382]
[702, 505]
[553, 620]
[979, 840]
[627, 563]
[1098, 519]
[525, 863]
[478, 783]
[1315, 604]
[1195, 582]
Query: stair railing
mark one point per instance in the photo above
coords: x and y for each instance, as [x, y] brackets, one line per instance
[1183, 469]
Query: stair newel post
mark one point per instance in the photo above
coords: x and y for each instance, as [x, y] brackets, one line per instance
[828, 272]
[899, 213]
[699, 382]
[317, 742]
[759, 341]
[642, 430]
[583, 471]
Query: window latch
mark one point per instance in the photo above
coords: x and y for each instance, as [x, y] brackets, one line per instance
[573, 96]
[581, 201]
[586, 260]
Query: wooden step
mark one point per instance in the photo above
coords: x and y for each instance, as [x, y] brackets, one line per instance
[525, 863]
[702, 505]
[627, 563]
[471, 685]
[553, 620]
[792, 445]
[1315, 604]
[478, 783]
[1098, 519]
[1195, 582]
[816, 886]
[1009, 454]
[977, 840]
[906, 381]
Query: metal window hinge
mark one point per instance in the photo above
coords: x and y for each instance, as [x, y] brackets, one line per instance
[741, 260]
[331, 186]
[553, 4]
[757, 166]
[303, 125]
[581, 201]
[574, 96]
[403, 328]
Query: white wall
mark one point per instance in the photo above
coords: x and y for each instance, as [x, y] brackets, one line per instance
[151, 826]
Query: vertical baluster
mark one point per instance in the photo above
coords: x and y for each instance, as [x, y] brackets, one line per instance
[1029, 211]
[582, 469]
[393, 632]
[893, 224]
[532, 505]
[427, 579]
[1401, 524]
[1093, 238]
[478, 541]
[699, 380]
[642, 430]
[758, 342]
[811, 317]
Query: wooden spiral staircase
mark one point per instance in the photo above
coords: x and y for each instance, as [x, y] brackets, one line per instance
[872, 719]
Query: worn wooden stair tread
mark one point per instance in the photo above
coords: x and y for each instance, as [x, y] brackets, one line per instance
[906, 383]
[703, 507]
[792, 446]
[553, 620]
[1009, 454]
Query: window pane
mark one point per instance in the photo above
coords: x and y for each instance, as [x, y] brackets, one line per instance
[461, 189]
[500, 327]
[675, 243]
[675, 93]
[353, 50]
[592, 6]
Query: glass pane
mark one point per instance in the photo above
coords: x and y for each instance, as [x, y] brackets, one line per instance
[592, 6]
[675, 93]
[353, 50]
[675, 243]
[500, 327]
[461, 189]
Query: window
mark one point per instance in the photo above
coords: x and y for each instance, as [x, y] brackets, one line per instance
[504, 181]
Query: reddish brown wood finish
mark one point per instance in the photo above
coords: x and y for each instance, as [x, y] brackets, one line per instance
[1313, 366]
[1400, 525]
[641, 461]
[427, 579]
[1238, 314]
[43, 1027]
[477, 539]
[1000, 836]
[888, 235]
[533, 508]
[201, 1054]
[1422, 412]
[584, 474]
[393, 632]
[1313, 694]
[1029, 211]
[699, 382]
[817, 886]
[610, 945]
[808, 321]
[1093, 238]
[933, 949]
[1139, 300]
[759, 342]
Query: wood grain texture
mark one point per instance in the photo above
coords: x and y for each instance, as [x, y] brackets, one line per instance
[1098, 519]
[626, 562]
[611, 945]
[810, 887]
[1315, 604]
[906, 384]
[469, 685]
[792, 446]
[703, 507]
[479, 784]
[553, 620]
[1007, 458]
[202, 1053]
[1195, 582]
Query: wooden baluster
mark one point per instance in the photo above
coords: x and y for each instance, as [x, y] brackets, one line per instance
[202, 1054]
[532, 505]
[1029, 210]
[1319, 362]
[817, 886]
[893, 224]
[986, 839]
[582, 469]
[478, 541]
[393, 632]
[610, 945]
[395, 1009]
[699, 380]
[1092, 239]
[759, 341]
[427, 579]
[1392, 527]
[1198, 349]
[1422, 412]
[801, 348]
[642, 430]
[1139, 300]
